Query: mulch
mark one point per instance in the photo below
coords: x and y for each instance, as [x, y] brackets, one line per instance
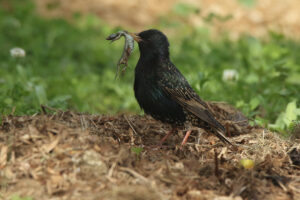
[68, 155]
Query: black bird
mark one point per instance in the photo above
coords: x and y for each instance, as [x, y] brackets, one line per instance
[164, 93]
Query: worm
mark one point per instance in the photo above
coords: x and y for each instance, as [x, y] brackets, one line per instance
[128, 48]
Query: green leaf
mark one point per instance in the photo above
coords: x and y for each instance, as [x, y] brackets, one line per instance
[41, 94]
[261, 121]
[240, 104]
[290, 113]
[285, 119]
[8, 101]
[279, 123]
[254, 103]
[294, 78]
[137, 150]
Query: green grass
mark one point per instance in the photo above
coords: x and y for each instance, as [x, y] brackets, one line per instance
[72, 66]
[16, 197]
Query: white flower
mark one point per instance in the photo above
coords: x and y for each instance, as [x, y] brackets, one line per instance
[17, 52]
[230, 74]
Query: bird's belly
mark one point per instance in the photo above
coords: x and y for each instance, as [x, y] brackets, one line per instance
[156, 103]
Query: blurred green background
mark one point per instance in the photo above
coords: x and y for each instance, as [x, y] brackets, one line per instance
[70, 65]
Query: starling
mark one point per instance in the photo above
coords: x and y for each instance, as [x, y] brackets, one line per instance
[164, 93]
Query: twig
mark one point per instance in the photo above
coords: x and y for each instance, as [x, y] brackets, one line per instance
[44, 107]
[237, 127]
[228, 133]
[281, 185]
[13, 110]
[238, 122]
[83, 122]
[91, 120]
[130, 125]
[135, 174]
[216, 164]
[110, 172]
[240, 191]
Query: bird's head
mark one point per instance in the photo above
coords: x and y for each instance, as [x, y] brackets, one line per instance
[152, 43]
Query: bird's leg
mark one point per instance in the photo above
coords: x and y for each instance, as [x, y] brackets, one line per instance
[227, 129]
[166, 136]
[188, 133]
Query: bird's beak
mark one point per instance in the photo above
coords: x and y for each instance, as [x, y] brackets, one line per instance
[136, 37]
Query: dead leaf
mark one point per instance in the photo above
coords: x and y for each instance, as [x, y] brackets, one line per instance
[49, 147]
[3, 156]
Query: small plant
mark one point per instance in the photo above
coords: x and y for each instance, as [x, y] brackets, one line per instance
[287, 119]
[137, 150]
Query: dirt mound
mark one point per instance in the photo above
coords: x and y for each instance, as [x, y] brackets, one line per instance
[79, 156]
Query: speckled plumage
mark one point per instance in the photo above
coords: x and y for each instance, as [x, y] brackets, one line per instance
[164, 93]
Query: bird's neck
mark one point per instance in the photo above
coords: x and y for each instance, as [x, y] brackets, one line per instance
[154, 57]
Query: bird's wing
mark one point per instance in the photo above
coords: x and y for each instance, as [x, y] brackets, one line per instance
[194, 105]
[177, 87]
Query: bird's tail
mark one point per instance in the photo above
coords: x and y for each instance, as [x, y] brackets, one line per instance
[222, 137]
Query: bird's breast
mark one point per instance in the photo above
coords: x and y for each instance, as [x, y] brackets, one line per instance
[153, 99]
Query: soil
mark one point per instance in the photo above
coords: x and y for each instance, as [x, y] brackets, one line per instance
[70, 155]
[257, 18]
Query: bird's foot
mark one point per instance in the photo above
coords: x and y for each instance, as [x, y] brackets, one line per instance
[166, 136]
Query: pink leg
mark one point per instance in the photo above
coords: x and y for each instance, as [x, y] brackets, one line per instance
[166, 136]
[188, 133]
